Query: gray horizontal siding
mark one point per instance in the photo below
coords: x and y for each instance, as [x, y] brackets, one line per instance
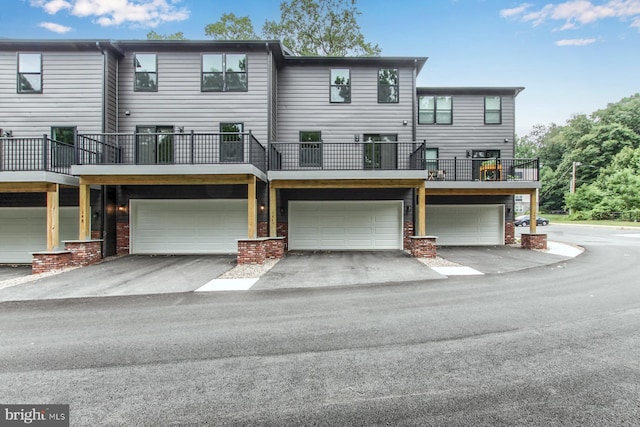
[72, 94]
[468, 131]
[180, 103]
[303, 104]
[111, 94]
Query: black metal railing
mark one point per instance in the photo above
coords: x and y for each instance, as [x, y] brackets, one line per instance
[36, 154]
[465, 169]
[305, 156]
[293, 156]
[171, 148]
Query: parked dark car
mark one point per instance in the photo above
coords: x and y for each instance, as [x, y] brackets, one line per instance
[524, 220]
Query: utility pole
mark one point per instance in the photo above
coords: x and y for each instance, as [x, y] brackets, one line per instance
[573, 177]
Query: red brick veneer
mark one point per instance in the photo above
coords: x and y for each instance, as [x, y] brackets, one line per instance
[509, 233]
[77, 253]
[122, 238]
[534, 241]
[257, 251]
[407, 234]
[423, 246]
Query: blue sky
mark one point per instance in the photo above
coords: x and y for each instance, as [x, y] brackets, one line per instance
[571, 56]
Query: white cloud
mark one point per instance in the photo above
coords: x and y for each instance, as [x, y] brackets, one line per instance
[577, 12]
[146, 13]
[508, 13]
[51, 6]
[56, 28]
[575, 42]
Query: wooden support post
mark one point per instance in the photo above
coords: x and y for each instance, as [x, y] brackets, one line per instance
[422, 211]
[533, 215]
[53, 218]
[252, 219]
[273, 212]
[85, 212]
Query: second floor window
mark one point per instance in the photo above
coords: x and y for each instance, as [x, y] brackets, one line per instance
[146, 70]
[388, 85]
[340, 85]
[435, 110]
[224, 72]
[492, 110]
[29, 73]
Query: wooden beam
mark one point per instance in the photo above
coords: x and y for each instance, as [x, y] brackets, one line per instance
[53, 218]
[476, 191]
[273, 212]
[166, 179]
[348, 183]
[85, 212]
[252, 213]
[422, 212]
[533, 215]
[27, 187]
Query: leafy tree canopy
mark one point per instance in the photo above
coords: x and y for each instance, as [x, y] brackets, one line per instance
[306, 27]
[231, 27]
[152, 35]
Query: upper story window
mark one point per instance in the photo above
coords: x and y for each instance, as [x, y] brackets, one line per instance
[435, 110]
[492, 110]
[224, 72]
[340, 85]
[29, 73]
[387, 85]
[146, 70]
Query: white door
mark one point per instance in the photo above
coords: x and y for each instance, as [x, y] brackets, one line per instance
[24, 231]
[466, 225]
[345, 225]
[187, 226]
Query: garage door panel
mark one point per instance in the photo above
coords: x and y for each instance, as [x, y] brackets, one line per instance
[466, 225]
[24, 231]
[345, 225]
[187, 226]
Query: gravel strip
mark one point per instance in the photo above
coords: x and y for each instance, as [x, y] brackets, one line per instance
[438, 262]
[249, 271]
[32, 277]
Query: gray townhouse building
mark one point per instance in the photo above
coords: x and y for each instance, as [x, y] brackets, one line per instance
[204, 147]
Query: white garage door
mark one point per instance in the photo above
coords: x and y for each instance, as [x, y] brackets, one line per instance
[466, 225]
[345, 225]
[187, 226]
[24, 230]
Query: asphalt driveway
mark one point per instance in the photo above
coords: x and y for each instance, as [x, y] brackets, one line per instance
[130, 275]
[8, 272]
[321, 269]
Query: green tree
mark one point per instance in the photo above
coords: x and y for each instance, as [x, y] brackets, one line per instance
[231, 27]
[625, 112]
[320, 28]
[152, 35]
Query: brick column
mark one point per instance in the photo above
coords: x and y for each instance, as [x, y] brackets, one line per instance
[407, 233]
[263, 227]
[509, 233]
[84, 252]
[257, 251]
[283, 231]
[423, 246]
[48, 261]
[122, 238]
[534, 241]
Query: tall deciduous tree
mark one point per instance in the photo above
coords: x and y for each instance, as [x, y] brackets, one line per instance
[320, 28]
[231, 27]
[152, 35]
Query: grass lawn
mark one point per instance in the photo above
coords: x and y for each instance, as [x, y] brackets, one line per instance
[559, 219]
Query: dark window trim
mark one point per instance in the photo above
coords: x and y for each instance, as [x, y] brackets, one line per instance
[332, 85]
[135, 73]
[397, 86]
[486, 111]
[18, 73]
[169, 156]
[235, 154]
[224, 72]
[435, 110]
[61, 155]
[316, 158]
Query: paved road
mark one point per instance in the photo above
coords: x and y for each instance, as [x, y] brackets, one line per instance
[554, 345]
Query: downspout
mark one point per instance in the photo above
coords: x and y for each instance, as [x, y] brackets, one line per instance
[413, 100]
[104, 77]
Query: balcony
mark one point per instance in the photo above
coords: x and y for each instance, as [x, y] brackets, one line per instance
[391, 160]
[206, 152]
[35, 155]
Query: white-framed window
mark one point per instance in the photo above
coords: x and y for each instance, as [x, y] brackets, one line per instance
[29, 73]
